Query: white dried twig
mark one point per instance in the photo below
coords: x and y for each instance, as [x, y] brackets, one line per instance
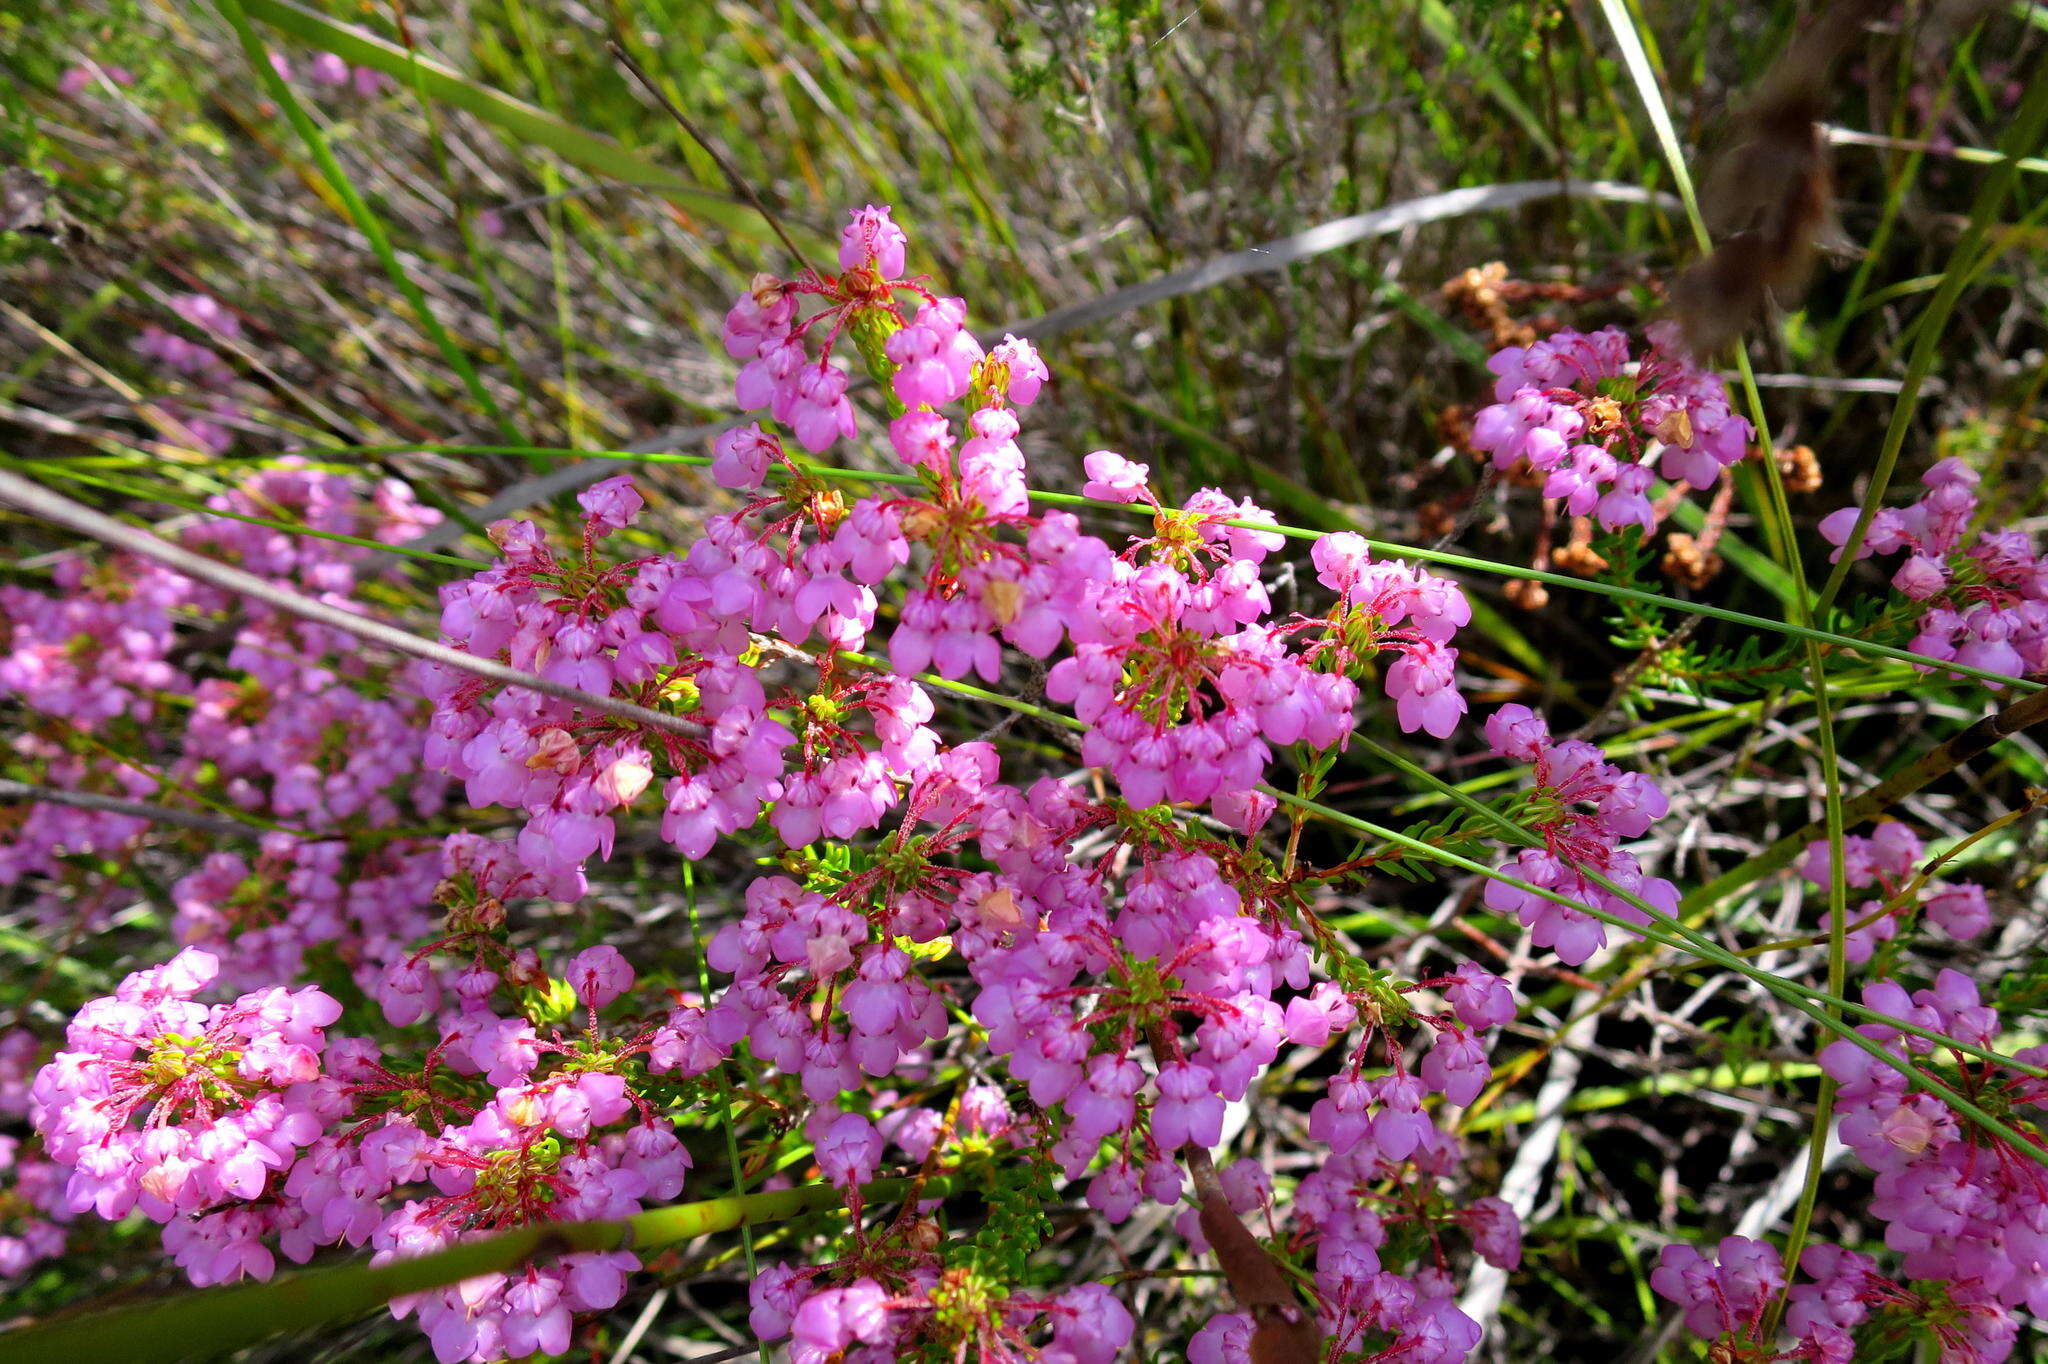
[72, 515]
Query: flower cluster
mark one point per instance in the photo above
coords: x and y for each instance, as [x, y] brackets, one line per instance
[76, 80]
[1884, 862]
[168, 1105]
[299, 731]
[1133, 975]
[1728, 1299]
[1965, 1207]
[32, 1209]
[1962, 1203]
[33, 1206]
[327, 69]
[862, 1321]
[247, 1130]
[1583, 807]
[209, 415]
[303, 732]
[1599, 423]
[1982, 600]
[1089, 910]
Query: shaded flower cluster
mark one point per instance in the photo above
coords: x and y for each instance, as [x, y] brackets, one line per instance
[1583, 807]
[1981, 600]
[1885, 862]
[1728, 1298]
[1599, 423]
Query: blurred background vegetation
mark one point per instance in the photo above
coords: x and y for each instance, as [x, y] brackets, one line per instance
[507, 244]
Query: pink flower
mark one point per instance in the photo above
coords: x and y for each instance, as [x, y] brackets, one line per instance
[872, 240]
[599, 975]
[849, 1149]
[1112, 478]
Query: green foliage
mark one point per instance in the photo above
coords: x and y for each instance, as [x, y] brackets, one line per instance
[1456, 833]
[51, 193]
[1021, 1188]
[1041, 42]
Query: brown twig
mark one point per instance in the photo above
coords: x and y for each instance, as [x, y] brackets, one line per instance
[1935, 763]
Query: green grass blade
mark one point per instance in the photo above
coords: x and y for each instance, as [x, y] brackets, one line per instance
[359, 212]
[213, 1322]
[521, 120]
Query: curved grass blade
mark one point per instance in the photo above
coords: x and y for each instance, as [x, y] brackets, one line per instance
[531, 125]
[212, 1322]
[359, 212]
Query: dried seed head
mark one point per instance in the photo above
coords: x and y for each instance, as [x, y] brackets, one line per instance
[557, 752]
[1800, 468]
[1578, 558]
[1604, 417]
[828, 508]
[1454, 428]
[1527, 594]
[921, 520]
[1674, 427]
[1685, 562]
[1002, 599]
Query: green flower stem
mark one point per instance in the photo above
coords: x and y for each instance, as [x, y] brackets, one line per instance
[63, 469]
[1384, 547]
[212, 1322]
[1669, 932]
[1664, 929]
[725, 1105]
[1936, 762]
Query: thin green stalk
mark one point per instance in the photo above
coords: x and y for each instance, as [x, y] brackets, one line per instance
[2021, 137]
[536, 127]
[1669, 932]
[465, 224]
[1806, 612]
[61, 469]
[1384, 547]
[212, 1322]
[725, 1123]
[1663, 929]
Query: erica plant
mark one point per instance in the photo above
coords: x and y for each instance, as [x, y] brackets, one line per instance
[1015, 792]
